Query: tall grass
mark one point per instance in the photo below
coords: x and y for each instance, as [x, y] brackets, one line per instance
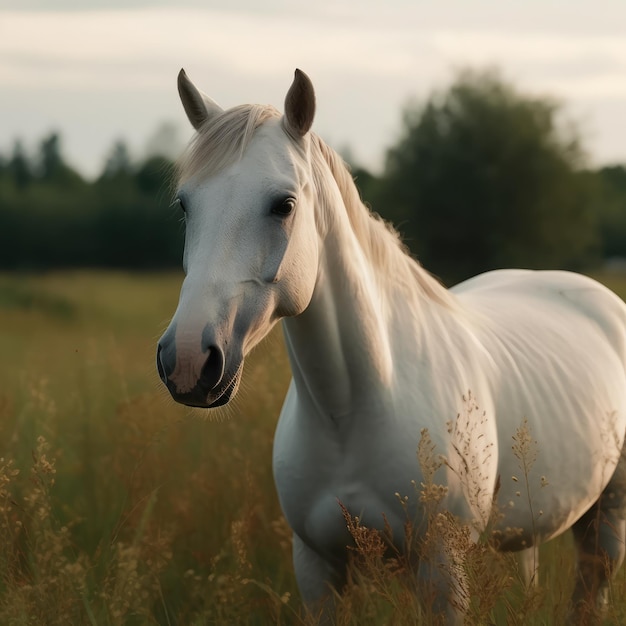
[118, 506]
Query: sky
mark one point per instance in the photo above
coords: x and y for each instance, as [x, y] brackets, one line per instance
[99, 71]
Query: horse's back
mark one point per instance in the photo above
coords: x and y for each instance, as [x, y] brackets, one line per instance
[574, 298]
[558, 343]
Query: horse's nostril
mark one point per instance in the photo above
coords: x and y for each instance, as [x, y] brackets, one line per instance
[160, 366]
[213, 369]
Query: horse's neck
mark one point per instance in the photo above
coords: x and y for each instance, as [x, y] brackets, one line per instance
[343, 347]
[338, 348]
[370, 296]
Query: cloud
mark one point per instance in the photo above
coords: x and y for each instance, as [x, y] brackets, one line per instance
[109, 49]
[575, 66]
[365, 59]
[80, 46]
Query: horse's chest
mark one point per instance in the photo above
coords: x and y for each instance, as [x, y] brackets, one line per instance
[320, 481]
[322, 519]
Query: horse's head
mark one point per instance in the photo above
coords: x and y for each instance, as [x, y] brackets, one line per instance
[251, 250]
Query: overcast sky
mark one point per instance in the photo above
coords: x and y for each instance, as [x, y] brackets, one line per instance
[99, 70]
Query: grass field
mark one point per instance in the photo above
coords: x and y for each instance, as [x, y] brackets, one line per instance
[118, 506]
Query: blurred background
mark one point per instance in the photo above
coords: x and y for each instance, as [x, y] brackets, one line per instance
[492, 134]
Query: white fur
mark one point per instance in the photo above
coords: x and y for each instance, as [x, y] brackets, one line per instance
[379, 351]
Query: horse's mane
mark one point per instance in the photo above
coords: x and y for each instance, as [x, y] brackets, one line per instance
[379, 240]
[231, 133]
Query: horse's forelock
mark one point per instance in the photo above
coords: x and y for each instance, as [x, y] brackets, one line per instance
[221, 141]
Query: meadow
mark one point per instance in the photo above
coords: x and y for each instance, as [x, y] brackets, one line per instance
[118, 506]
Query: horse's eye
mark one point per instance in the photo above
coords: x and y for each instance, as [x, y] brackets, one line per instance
[284, 206]
[181, 206]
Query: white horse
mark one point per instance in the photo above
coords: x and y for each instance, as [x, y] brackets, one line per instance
[379, 351]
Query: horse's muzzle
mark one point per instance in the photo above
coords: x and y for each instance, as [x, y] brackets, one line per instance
[199, 381]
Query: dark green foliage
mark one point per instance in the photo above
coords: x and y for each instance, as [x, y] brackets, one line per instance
[483, 177]
[51, 218]
[51, 167]
[611, 205]
[366, 182]
[18, 168]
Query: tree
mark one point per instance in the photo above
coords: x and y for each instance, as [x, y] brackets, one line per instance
[52, 167]
[154, 176]
[486, 177]
[118, 163]
[19, 166]
[611, 206]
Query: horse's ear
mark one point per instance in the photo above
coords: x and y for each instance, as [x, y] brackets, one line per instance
[198, 106]
[300, 105]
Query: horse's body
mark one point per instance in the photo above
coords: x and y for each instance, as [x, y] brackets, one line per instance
[380, 351]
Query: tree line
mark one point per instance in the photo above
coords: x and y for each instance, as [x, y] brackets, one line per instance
[482, 176]
[51, 217]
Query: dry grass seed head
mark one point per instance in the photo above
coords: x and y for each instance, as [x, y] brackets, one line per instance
[524, 446]
[368, 542]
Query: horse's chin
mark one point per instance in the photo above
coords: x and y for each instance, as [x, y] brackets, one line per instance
[215, 398]
[226, 392]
